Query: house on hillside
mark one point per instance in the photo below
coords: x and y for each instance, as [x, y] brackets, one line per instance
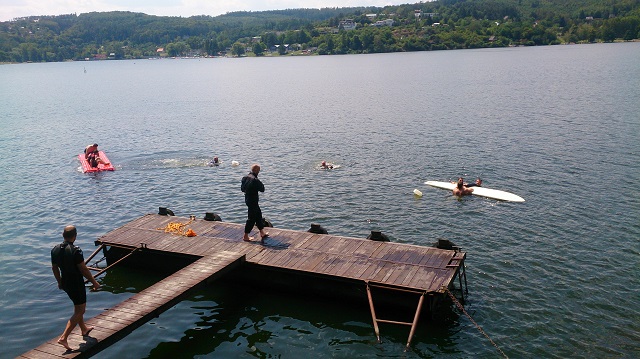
[381, 23]
[347, 24]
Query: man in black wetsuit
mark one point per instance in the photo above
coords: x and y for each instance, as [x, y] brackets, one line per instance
[67, 264]
[251, 185]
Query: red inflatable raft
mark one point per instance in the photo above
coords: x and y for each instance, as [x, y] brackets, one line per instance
[86, 167]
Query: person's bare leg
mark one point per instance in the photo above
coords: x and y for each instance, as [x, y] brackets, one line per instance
[103, 162]
[246, 238]
[84, 328]
[78, 313]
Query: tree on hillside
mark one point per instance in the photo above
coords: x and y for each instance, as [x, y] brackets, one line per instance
[179, 48]
[258, 49]
[237, 49]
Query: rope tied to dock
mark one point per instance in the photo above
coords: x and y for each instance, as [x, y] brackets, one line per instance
[459, 305]
[179, 229]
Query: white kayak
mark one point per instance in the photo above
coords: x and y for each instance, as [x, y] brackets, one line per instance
[480, 191]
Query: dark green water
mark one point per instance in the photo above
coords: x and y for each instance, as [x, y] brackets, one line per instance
[556, 276]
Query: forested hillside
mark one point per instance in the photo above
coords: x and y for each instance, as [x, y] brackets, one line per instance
[438, 25]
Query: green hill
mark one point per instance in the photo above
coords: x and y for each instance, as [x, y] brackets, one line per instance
[438, 25]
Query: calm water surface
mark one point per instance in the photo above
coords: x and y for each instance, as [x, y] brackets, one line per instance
[556, 276]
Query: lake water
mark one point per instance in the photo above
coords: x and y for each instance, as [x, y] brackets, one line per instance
[555, 276]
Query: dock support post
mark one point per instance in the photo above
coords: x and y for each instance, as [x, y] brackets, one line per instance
[114, 263]
[415, 321]
[464, 272]
[93, 254]
[416, 316]
[373, 313]
[460, 271]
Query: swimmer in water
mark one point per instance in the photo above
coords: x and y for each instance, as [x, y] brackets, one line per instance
[477, 183]
[326, 166]
[460, 189]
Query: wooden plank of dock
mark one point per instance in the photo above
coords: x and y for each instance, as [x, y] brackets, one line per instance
[416, 267]
[117, 322]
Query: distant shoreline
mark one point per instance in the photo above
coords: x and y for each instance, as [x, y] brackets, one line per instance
[301, 54]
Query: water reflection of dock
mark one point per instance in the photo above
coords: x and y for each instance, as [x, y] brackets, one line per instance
[384, 274]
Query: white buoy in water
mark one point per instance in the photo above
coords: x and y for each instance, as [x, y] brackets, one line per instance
[235, 163]
[417, 192]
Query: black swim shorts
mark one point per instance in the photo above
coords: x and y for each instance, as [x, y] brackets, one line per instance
[77, 295]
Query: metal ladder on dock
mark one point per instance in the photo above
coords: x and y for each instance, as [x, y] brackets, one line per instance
[377, 320]
[102, 270]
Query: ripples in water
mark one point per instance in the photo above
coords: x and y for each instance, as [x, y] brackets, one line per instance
[556, 276]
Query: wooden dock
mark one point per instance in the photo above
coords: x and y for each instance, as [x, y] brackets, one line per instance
[117, 322]
[426, 271]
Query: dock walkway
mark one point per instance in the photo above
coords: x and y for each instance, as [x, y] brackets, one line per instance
[219, 245]
[117, 322]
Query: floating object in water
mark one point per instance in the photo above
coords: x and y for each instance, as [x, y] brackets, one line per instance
[417, 192]
[235, 163]
[480, 191]
[103, 165]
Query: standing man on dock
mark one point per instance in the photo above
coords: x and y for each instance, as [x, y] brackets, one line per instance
[251, 185]
[67, 263]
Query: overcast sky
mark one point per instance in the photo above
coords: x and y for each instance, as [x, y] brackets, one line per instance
[10, 9]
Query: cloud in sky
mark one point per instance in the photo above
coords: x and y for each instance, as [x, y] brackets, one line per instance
[10, 9]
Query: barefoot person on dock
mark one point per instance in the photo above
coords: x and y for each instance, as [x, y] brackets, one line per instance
[251, 185]
[67, 263]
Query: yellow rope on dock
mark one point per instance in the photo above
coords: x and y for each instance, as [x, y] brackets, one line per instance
[179, 229]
